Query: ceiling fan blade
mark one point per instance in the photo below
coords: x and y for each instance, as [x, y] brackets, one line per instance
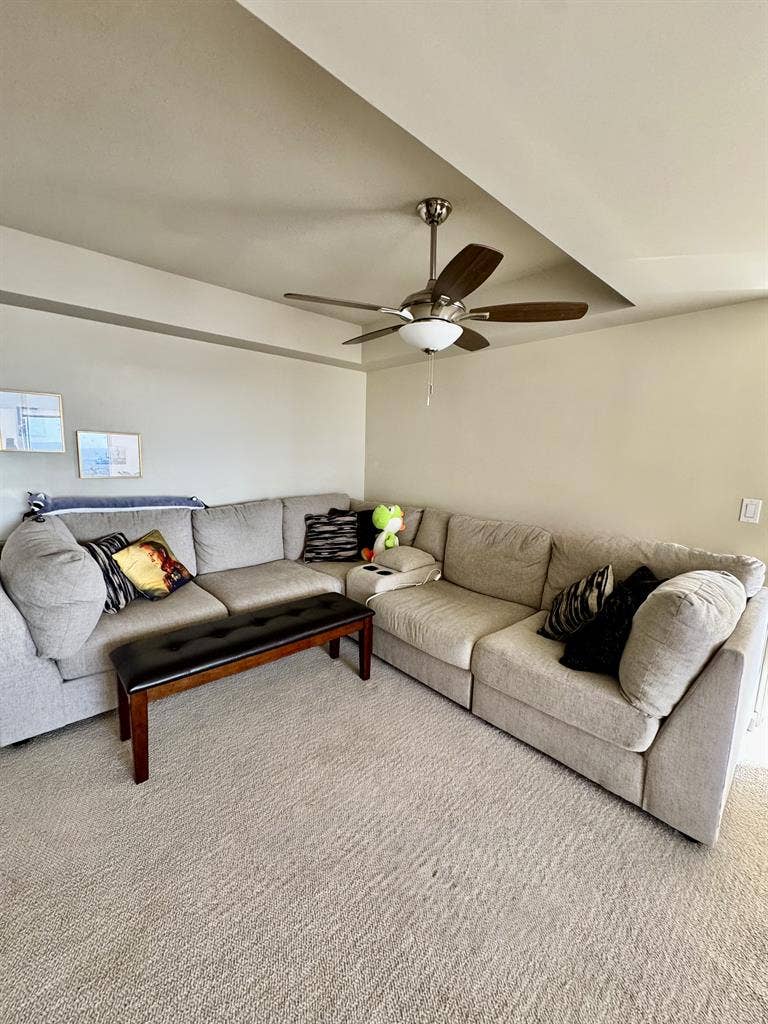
[466, 271]
[471, 340]
[532, 312]
[373, 334]
[344, 302]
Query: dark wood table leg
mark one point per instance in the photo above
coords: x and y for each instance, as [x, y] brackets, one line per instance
[124, 712]
[139, 736]
[333, 647]
[365, 646]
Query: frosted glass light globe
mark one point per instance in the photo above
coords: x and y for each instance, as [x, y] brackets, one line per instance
[430, 335]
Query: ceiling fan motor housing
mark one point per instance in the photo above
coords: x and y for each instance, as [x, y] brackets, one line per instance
[421, 306]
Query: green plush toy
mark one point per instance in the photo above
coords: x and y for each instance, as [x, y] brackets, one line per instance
[390, 520]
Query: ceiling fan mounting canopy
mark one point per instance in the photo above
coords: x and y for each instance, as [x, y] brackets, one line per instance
[432, 319]
[434, 211]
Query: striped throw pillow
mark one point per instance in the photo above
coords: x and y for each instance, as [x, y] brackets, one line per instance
[331, 538]
[120, 590]
[578, 604]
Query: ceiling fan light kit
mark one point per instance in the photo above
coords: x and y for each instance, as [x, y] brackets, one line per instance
[430, 335]
[431, 320]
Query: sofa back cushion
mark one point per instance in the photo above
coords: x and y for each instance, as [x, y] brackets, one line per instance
[175, 524]
[505, 560]
[55, 583]
[411, 514]
[575, 555]
[675, 632]
[433, 532]
[294, 510]
[234, 536]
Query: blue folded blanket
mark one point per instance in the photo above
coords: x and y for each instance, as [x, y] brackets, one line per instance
[45, 505]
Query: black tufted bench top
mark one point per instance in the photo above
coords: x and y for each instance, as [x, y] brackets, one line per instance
[167, 663]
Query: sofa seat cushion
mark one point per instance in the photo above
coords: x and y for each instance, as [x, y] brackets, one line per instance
[140, 618]
[444, 620]
[256, 586]
[336, 570]
[521, 664]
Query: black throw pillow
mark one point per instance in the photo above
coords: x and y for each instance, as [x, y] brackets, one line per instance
[598, 645]
[366, 531]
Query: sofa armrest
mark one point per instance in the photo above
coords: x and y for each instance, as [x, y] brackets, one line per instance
[366, 582]
[690, 765]
[31, 697]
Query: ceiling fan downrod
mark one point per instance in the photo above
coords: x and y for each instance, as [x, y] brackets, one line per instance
[433, 212]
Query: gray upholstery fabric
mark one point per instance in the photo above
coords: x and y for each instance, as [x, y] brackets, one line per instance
[140, 618]
[504, 560]
[55, 583]
[404, 559]
[617, 770]
[294, 510]
[675, 632]
[521, 664]
[577, 554]
[30, 687]
[256, 586]
[231, 536]
[690, 766]
[444, 620]
[454, 683]
[337, 570]
[432, 532]
[411, 514]
[365, 581]
[175, 524]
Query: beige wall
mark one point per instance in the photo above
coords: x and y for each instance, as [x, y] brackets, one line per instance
[656, 429]
[222, 423]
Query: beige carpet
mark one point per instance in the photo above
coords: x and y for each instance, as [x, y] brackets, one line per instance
[312, 848]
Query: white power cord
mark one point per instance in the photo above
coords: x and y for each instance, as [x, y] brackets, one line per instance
[432, 576]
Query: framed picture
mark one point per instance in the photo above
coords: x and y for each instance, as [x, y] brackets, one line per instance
[30, 421]
[102, 454]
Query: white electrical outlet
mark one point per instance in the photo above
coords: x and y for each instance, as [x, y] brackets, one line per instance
[750, 510]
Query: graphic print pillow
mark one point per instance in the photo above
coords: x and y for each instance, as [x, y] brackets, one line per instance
[578, 604]
[151, 567]
[331, 538]
[120, 590]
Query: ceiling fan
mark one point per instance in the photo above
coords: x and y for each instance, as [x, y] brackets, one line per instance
[433, 319]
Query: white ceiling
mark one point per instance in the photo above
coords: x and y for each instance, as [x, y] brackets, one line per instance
[192, 138]
[630, 137]
[632, 134]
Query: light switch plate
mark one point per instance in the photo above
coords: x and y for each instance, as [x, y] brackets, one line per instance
[750, 510]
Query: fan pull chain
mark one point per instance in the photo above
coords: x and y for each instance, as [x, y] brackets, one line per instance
[430, 375]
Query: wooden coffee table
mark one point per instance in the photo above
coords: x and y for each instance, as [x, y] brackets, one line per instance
[160, 665]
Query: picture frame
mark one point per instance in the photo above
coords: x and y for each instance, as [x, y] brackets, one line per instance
[31, 421]
[104, 454]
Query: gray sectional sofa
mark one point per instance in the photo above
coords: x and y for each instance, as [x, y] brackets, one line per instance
[471, 636]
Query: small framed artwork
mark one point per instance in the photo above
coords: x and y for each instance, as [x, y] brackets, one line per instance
[101, 453]
[30, 421]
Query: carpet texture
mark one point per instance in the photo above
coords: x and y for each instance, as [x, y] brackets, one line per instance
[313, 848]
